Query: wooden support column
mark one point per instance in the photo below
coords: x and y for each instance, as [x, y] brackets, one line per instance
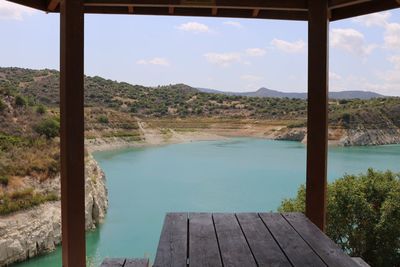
[317, 123]
[72, 134]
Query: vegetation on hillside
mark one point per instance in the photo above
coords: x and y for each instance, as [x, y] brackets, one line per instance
[179, 101]
[29, 117]
[363, 215]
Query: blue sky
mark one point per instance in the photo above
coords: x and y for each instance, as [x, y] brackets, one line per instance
[223, 54]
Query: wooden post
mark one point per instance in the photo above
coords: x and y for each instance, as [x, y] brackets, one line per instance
[317, 123]
[72, 134]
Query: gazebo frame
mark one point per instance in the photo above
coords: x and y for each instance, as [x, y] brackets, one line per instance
[318, 13]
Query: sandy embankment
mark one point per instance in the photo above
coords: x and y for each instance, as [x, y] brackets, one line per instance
[156, 136]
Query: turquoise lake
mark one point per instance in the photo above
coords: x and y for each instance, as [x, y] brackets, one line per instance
[231, 175]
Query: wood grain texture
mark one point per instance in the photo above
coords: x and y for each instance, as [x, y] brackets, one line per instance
[328, 251]
[172, 248]
[113, 262]
[203, 245]
[296, 249]
[137, 263]
[265, 250]
[234, 248]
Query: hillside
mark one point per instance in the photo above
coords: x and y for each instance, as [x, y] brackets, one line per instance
[119, 114]
[182, 101]
[265, 92]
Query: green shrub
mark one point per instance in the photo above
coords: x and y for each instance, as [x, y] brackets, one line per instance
[2, 105]
[20, 101]
[363, 215]
[4, 180]
[50, 128]
[41, 109]
[102, 119]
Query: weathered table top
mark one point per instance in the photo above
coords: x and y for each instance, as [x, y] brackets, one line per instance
[245, 240]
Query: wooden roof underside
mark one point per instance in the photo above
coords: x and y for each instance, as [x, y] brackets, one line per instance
[262, 9]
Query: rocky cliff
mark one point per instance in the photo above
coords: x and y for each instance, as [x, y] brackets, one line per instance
[359, 136]
[26, 234]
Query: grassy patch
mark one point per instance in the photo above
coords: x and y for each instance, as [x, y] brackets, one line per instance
[23, 199]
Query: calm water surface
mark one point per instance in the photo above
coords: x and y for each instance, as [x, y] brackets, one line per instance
[232, 175]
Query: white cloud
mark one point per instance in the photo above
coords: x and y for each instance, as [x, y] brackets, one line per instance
[396, 61]
[223, 59]
[154, 61]
[251, 78]
[289, 47]
[193, 27]
[392, 36]
[334, 76]
[392, 30]
[374, 19]
[233, 24]
[11, 11]
[255, 52]
[352, 41]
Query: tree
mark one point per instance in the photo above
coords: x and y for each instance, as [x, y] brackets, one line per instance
[48, 127]
[363, 215]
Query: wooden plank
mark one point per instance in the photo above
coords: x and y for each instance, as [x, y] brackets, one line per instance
[265, 250]
[137, 263]
[328, 251]
[317, 114]
[203, 245]
[343, 3]
[53, 4]
[255, 13]
[363, 9]
[172, 248]
[360, 262]
[201, 12]
[292, 5]
[113, 262]
[37, 4]
[72, 134]
[295, 248]
[234, 248]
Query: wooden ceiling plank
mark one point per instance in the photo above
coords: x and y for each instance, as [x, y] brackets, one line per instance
[53, 4]
[344, 3]
[363, 9]
[36, 4]
[293, 5]
[201, 12]
[255, 12]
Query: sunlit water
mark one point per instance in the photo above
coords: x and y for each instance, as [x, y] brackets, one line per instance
[232, 175]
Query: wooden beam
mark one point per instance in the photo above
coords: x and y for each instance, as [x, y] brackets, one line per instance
[317, 123]
[53, 4]
[131, 9]
[344, 3]
[214, 11]
[72, 133]
[292, 5]
[171, 10]
[201, 12]
[363, 9]
[37, 4]
[255, 13]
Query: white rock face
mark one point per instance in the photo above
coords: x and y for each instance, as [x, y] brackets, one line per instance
[26, 234]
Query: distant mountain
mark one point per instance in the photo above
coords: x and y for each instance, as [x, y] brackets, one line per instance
[265, 92]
